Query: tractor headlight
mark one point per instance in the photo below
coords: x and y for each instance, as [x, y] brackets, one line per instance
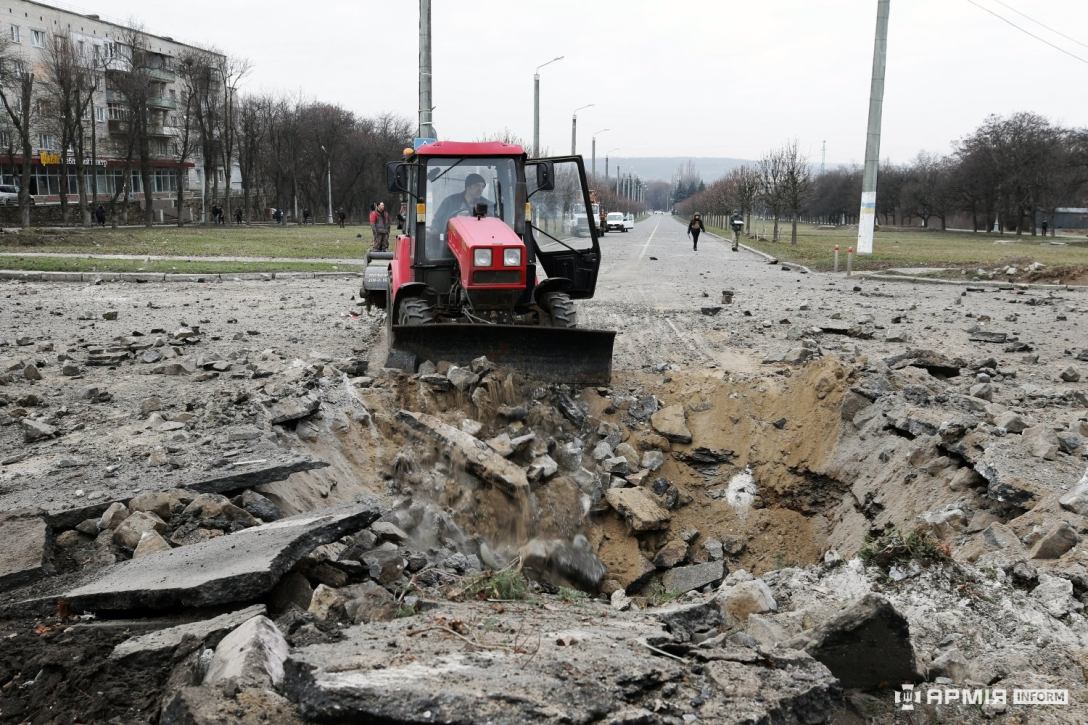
[481, 258]
[511, 257]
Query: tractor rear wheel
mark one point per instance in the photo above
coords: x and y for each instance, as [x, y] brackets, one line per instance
[414, 311]
[559, 310]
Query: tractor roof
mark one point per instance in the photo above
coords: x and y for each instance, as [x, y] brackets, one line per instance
[462, 148]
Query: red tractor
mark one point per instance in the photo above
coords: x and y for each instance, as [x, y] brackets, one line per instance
[488, 263]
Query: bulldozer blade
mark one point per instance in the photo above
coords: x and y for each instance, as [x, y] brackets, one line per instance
[555, 354]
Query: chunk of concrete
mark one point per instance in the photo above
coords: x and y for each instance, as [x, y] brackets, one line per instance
[465, 450]
[234, 568]
[132, 529]
[288, 409]
[671, 422]
[866, 644]
[1077, 499]
[24, 556]
[687, 578]
[151, 542]
[747, 598]
[206, 632]
[252, 655]
[1060, 538]
[638, 507]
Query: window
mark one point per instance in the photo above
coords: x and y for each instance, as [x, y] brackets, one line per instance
[47, 141]
[15, 37]
[100, 114]
[109, 48]
[37, 38]
[5, 139]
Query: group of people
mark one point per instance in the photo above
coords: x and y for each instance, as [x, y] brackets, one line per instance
[696, 227]
[218, 217]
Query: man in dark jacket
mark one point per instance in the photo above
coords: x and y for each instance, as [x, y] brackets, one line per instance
[100, 215]
[736, 222]
[380, 225]
[695, 228]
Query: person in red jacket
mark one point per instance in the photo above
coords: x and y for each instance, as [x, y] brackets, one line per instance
[379, 224]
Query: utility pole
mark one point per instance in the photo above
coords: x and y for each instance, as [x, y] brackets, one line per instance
[594, 165]
[536, 106]
[867, 217]
[574, 129]
[328, 165]
[426, 107]
[823, 158]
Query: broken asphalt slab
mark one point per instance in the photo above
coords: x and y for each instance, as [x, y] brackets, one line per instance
[234, 568]
[25, 553]
[476, 456]
[422, 670]
[232, 479]
[206, 633]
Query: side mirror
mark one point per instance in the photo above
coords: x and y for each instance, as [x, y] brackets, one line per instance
[545, 176]
[396, 177]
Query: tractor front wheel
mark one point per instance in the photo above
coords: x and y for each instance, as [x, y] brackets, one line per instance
[559, 310]
[414, 311]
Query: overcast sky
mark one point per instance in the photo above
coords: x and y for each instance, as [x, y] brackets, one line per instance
[730, 78]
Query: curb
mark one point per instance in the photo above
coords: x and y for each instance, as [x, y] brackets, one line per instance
[964, 283]
[15, 275]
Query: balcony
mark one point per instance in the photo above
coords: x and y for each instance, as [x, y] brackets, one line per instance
[166, 104]
[162, 75]
[115, 97]
[118, 125]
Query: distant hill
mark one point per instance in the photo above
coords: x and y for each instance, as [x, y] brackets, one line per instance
[664, 168]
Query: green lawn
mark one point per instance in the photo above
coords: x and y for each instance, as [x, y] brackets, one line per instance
[316, 241]
[83, 264]
[906, 248]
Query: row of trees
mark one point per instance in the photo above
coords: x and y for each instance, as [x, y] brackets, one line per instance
[286, 148]
[1013, 170]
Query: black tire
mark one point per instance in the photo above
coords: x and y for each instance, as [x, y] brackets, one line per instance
[414, 311]
[559, 310]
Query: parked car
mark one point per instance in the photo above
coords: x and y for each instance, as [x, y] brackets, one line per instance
[9, 195]
[629, 222]
[614, 221]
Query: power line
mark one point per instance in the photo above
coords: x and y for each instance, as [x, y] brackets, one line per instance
[1056, 32]
[1028, 32]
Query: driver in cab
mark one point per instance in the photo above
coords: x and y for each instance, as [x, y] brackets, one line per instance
[465, 201]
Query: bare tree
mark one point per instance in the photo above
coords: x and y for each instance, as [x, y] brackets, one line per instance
[231, 72]
[251, 118]
[797, 183]
[772, 185]
[18, 93]
[746, 182]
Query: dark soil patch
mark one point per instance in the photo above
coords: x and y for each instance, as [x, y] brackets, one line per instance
[53, 672]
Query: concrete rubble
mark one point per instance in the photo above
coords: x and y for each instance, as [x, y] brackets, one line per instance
[328, 541]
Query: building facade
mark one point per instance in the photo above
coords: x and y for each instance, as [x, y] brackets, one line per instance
[30, 29]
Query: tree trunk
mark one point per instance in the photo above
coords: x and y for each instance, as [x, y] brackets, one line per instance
[793, 233]
[774, 235]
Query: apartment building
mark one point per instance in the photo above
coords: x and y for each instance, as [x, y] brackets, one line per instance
[28, 26]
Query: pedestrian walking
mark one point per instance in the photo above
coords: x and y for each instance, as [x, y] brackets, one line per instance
[306, 216]
[737, 223]
[1045, 227]
[379, 224]
[238, 215]
[100, 215]
[343, 215]
[695, 228]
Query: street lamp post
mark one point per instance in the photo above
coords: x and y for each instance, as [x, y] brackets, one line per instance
[606, 161]
[328, 167]
[536, 106]
[593, 167]
[574, 129]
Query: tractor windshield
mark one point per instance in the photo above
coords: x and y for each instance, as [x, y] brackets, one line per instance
[456, 185]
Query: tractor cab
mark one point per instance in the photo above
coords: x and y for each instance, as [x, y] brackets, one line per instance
[492, 239]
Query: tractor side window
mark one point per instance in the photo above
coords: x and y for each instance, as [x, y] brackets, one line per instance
[456, 185]
[561, 219]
